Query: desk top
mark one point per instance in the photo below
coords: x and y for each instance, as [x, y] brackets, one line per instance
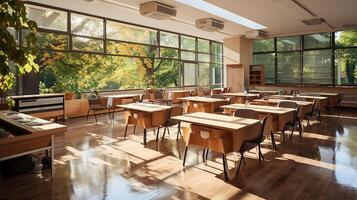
[145, 107]
[216, 121]
[265, 91]
[260, 109]
[323, 94]
[33, 126]
[276, 101]
[203, 99]
[299, 96]
[37, 96]
[179, 91]
[241, 94]
[121, 96]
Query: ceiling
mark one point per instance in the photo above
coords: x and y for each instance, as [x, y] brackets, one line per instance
[281, 17]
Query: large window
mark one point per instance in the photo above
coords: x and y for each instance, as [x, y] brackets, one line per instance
[97, 53]
[314, 59]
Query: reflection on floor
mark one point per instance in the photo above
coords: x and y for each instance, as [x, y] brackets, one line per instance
[100, 164]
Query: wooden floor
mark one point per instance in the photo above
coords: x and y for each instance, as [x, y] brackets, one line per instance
[100, 164]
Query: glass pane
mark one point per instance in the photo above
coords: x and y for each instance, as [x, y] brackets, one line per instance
[85, 25]
[288, 43]
[129, 49]
[52, 41]
[189, 74]
[317, 67]
[203, 45]
[169, 39]
[346, 38]
[168, 53]
[217, 48]
[125, 32]
[188, 43]
[268, 60]
[186, 55]
[217, 58]
[320, 40]
[263, 45]
[86, 44]
[47, 18]
[203, 57]
[216, 73]
[13, 32]
[203, 74]
[167, 73]
[346, 67]
[289, 70]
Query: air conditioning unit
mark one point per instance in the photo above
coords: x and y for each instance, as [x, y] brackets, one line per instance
[209, 24]
[157, 10]
[256, 34]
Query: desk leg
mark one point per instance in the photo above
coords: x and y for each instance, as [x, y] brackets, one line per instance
[225, 167]
[52, 156]
[144, 136]
[184, 156]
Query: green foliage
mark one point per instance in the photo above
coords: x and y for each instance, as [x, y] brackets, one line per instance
[13, 16]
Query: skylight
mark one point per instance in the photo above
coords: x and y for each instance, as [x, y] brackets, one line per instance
[220, 12]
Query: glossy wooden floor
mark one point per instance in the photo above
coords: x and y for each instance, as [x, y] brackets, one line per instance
[100, 164]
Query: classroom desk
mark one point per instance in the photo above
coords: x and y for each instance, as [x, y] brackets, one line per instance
[306, 106]
[220, 133]
[323, 101]
[26, 134]
[175, 95]
[333, 98]
[145, 115]
[270, 92]
[203, 104]
[242, 96]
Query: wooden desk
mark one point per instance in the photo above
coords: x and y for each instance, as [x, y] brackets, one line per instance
[270, 92]
[117, 99]
[27, 134]
[145, 115]
[203, 104]
[333, 98]
[220, 133]
[175, 95]
[280, 115]
[243, 96]
[323, 101]
[306, 106]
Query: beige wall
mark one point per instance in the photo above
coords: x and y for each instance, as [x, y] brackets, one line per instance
[238, 50]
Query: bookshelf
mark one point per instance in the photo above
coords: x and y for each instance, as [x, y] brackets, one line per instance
[256, 75]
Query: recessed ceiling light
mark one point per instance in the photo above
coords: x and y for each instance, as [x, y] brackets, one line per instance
[220, 12]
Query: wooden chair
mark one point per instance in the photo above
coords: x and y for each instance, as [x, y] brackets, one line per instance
[95, 106]
[246, 113]
[253, 143]
[175, 111]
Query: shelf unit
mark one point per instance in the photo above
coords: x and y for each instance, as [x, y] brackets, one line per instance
[256, 75]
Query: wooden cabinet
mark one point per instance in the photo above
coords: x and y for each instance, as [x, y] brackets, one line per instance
[256, 75]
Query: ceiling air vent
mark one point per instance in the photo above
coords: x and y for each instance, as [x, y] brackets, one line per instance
[209, 24]
[311, 22]
[256, 34]
[157, 10]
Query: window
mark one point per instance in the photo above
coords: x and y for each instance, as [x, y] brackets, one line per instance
[203, 73]
[288, 43]
[268, 60]
[203, 45]
[346, 38]
[217, 48]
[187, 55]
[346, 66]
[203, 57]
[319, 40]
[216, 74]
[47, 18]
[86, 26]
[289, 70]
[317, 67]
[87, 44]
[167, 73]
[129, 33]
[188, 43]
[49, 41]
[129, 49]
[263, 45]
[169, 39]
[168, 53]
[189, 74]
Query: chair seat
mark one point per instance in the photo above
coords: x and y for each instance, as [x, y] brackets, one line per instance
[98, 107]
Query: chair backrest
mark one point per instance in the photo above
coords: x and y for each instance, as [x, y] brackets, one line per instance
[298, 113]
[176, 111]
[315, 107]
[340, 98]
[235, 99]
[246, 113]
[263, 126]
[218, 96]
[288, 104]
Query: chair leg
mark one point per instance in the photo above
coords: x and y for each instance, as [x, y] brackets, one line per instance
[126, 129]
[273, 141]
[144, 136]
[260, 154]
[225, 167]
[283, 134]
[300, 129]
[178, 131]
[134, 128]
[157, 134]
[204, 155]
[95, 116]
[240, 163]
[207, 153]
[184, 156]
[88, 113]
[163, 135]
